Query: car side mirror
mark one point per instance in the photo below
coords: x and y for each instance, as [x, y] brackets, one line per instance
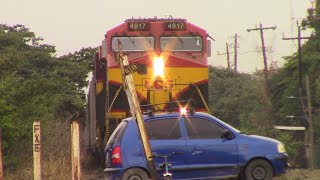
[227, 135]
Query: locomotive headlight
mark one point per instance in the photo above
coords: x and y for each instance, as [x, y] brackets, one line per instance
[158, 67]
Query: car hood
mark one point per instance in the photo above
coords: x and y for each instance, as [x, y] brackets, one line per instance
[264, 139]
[265, 145]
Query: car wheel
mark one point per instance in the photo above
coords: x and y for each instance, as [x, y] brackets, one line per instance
[134, 174]
[258, 170]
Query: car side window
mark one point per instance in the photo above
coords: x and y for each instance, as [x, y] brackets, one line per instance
[118, 133]
[161, 129]
[198, 128]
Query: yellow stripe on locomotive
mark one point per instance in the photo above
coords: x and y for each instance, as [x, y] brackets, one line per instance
[176, 79]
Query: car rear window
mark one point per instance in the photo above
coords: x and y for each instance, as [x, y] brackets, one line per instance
[117, 133]
[159, 129]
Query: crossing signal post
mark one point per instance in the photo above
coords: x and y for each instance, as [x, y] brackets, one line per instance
[128, 85]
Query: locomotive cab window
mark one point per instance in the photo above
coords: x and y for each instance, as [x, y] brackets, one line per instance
[181, 43]
[133, 43]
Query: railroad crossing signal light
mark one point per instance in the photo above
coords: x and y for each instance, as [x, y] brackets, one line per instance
[183, 110]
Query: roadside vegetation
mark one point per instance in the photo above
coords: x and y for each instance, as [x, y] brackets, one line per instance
[35, 84]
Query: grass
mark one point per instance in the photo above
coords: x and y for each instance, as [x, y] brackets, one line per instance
[55, 154]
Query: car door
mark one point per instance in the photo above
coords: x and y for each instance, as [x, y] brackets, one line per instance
[165, 137]
[209, 154]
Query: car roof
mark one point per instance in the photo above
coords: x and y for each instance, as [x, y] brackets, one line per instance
[177, 114]
[172, 114]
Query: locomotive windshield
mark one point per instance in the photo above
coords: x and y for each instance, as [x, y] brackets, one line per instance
[181, 43]
[133, 43]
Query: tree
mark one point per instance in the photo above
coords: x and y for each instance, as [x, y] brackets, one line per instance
[36, 85]
[235, 97]
[285, 83]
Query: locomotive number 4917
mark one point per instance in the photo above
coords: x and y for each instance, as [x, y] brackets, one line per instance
[175, 26]
[138, 26]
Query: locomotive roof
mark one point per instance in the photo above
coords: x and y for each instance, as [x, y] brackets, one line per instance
[154, 19]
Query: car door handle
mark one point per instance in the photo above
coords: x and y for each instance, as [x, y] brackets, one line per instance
[197, 152]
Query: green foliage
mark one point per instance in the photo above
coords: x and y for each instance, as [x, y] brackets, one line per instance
[285, 83]
[291, 144]
[237, 99]
[233, 96]
[80, 62]
[35, 85]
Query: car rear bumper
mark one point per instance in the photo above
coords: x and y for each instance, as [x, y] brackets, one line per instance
[112, 173]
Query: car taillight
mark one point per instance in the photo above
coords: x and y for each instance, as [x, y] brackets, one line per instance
[116, 155]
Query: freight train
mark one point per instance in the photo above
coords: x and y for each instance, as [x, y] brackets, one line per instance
[172, 59]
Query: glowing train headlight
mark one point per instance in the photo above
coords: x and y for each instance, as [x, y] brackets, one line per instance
[158, 67]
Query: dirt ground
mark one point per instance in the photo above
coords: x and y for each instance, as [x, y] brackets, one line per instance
[301, 174]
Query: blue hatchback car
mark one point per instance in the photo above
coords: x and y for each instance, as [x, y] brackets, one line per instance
[208, 149]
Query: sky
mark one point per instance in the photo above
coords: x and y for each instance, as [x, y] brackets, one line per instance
[72, 24]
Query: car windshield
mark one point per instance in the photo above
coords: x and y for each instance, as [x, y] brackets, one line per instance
[133, 43]
[227, 125]
[181, 43]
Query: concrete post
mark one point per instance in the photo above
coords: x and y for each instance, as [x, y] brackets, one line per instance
[37, 173]
[75, 150]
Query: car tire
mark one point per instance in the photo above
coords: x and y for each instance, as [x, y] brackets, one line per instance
[134, 174]
[258, 169]
[241, 175]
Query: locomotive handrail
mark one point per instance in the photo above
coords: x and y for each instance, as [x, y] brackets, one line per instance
[171, 102]
[150, 111]
[107, 133]
[202, 98]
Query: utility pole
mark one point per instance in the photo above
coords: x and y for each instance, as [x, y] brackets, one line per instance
[236, 52]
[311, 151]
[266, 84]
[228, 55]
[299, 52]
[1, 168]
